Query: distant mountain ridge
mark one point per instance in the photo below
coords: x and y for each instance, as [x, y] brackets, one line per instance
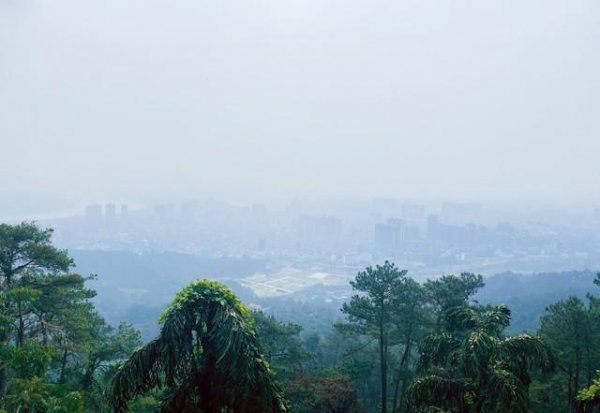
[528, 295]
[135, 288]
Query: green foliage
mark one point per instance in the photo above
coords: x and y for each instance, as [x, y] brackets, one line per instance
[572, 328]
[206, 358]
[402, 346]
[25, 251]
[589, 397]
[334, 394]
[371, 312]
[390, 308]
[26, 246]
[37, 395]
[449, 292]
[282, 346]
[475, 368]
[149, 403]
[53, 345]
[30, 360]
[546, 394]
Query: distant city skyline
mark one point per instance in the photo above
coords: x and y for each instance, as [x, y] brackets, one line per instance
[266, 101]
[40, 208]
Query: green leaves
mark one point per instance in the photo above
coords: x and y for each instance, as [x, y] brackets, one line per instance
[52, 341]
[324, 395]
[281, 345]
[26, 246]
[389, 307]
[475, 369]
[589, 397]
[31, 359]
[202, 292]
[207, 357]
[36, 395]
[451, 292]
[439, 391]
[572, 328]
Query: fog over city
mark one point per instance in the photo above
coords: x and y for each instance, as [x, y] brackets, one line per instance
[305, 206]
[315, 135]
[147, 102]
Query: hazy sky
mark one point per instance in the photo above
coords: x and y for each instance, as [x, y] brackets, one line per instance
[270, 99]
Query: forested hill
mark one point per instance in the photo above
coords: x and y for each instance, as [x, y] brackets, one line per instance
[529, 295]
[136, 288]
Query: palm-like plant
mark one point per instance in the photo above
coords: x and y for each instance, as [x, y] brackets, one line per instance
[472, 368]
[206, 359]
[588, 399]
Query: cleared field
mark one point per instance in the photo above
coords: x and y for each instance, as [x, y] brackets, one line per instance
[289, 280]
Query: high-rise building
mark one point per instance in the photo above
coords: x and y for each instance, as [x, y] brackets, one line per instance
[110, 211]
[433, 227]
[319, 230]
[390, 237]
[124, 210]
[93, 211]
[161, 211]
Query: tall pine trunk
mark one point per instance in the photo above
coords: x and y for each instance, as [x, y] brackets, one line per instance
[4, 338]
[21, 330]
[63, 365]
[401, 368]
[383, 362]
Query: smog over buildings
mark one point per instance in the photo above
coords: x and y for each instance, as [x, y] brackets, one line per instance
[322, 136]
[281, 147]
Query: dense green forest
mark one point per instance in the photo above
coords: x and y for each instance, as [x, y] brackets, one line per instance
[401, 346]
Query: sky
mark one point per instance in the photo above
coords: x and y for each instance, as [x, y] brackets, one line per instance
[262, 100]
